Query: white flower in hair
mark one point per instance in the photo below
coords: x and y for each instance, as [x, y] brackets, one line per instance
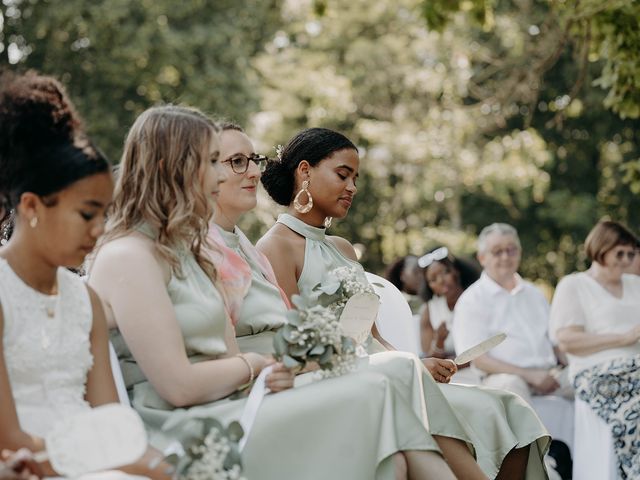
[279, 150]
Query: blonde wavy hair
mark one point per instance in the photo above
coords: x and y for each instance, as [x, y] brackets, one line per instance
[159, 183]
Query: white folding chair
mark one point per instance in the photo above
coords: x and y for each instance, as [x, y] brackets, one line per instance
[395, 321]
[557, 414]
[593, 454]
[117, 376]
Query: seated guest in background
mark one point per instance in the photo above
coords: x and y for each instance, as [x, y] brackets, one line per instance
[595, 316]
[634, 267]
[176, 339]
[54, 357]
[445, 278]
[406, 275]
[502, 302]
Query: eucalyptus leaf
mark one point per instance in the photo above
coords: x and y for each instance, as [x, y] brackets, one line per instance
[329, 288]
[294, 318]
[317, 350]
[297, 351]
[291, 362]
[326, 356]
[235, 431]
[279, 344]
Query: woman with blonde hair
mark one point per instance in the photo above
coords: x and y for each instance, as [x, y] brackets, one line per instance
[595, 317]
[177, 344]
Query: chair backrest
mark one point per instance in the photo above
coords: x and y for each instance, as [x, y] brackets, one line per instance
[395, 322]
[117, 376]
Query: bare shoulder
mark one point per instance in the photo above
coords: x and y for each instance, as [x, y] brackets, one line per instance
[129, 253]
[278, 240]
[344, 246]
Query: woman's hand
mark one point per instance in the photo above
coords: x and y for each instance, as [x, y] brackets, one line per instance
[440, 369]
[441, 335]
[632, 336]
[281, 378]
[151, 465]
[18, 465]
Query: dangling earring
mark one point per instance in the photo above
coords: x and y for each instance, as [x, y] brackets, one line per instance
[327, 222]
[33, 223]
[300, 208]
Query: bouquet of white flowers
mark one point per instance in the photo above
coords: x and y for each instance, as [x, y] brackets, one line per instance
[339, 285]
[204, 450]
[312, 334]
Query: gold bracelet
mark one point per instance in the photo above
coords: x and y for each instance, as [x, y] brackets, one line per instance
[252, 372]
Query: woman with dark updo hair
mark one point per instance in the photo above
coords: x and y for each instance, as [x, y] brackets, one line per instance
[55, 186]
[315, 177]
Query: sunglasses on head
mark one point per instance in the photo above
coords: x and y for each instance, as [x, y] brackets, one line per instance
[435, 256]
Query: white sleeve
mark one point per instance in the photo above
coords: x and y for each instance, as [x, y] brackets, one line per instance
[470, 322]
[566, 307]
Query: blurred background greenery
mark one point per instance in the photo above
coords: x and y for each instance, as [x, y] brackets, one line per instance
[466, 112]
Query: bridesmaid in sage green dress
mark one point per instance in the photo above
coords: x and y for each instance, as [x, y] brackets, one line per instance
[177, 347]
[322, 167]
[257, 306]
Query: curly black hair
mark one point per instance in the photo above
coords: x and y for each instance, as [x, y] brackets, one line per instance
[43, 145]
[312, 145]
[394, 271]
[468, 273]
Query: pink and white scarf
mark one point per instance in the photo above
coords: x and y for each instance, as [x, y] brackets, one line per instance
[234, 272]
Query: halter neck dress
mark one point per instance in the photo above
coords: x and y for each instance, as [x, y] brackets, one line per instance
[493, 421]
[344, 427]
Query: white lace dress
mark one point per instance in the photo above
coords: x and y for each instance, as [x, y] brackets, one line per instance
[46, 348]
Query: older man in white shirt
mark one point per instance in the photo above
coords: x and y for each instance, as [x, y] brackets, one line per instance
[501, 301]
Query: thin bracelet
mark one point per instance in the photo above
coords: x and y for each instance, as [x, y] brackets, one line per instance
[252, 372]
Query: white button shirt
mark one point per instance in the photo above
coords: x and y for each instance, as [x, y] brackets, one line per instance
[486, 309]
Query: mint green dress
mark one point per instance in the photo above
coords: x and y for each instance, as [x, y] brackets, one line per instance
[493, 421]
[340, 428]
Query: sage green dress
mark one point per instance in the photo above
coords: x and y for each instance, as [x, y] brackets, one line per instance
[340, 428]
[493, 421]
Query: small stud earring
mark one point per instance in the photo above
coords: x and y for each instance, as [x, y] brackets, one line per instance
[33, 223]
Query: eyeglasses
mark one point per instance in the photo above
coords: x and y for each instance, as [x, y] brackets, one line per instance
[631, 254]
[438, 254]
[511, 251]
[240, 162]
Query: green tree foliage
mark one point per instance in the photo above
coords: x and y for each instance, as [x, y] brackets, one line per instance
[119, 57]
[466, 112]
[474, 122]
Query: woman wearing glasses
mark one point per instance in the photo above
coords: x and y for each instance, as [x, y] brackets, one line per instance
[315, 177]
[175, 336]
[445, 278]
[595, 317]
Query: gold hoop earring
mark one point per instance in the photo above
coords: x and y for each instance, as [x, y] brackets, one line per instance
[300, 208]
[33, 223]
[327, 222]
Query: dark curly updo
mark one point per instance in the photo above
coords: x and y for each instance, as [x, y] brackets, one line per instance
[312, 145]
[43, 146]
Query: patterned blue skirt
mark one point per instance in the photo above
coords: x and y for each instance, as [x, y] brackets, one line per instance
[612, 390]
